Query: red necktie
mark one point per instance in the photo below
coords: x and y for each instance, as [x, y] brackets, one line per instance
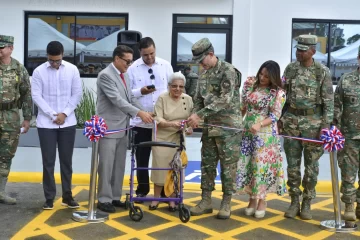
[123, 79]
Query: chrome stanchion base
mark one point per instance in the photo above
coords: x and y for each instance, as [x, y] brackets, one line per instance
[83, 216]
[346, 226]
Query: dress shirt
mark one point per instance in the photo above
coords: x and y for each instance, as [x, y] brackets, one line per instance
[140, 77]
[56, 91]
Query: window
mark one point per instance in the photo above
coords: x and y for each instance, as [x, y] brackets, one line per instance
[188, 29]
[338, 43]
[88, 39]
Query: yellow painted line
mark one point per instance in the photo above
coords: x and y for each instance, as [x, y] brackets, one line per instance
[39, 221]
[320, 235]
[84, 179]
[282, 231]
[158, 227]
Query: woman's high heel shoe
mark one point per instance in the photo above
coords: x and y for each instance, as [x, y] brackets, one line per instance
[259, 213]
[249, 211]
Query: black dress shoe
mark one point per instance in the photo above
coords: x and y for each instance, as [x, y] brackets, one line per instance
[152, 208]
[48, 205]
[172, 209]
[106, 207]
[69, 202]
[140, 195]
[118, 203]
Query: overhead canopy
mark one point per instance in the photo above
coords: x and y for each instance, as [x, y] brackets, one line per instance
[104, 47]
[41, 33]
[347, 54]
[186, 40]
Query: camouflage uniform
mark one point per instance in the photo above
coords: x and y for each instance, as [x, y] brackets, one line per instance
[191, 83]
[217, 102]
[14, 93]
[309, 108]
[347, 118]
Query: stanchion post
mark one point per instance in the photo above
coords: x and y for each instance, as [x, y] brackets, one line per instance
[91, 216]
[336, 225]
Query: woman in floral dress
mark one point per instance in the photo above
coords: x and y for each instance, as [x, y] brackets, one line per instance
[260, 167]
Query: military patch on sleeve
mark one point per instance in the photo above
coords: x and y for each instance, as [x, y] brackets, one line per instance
[330, 90]
[226, 84]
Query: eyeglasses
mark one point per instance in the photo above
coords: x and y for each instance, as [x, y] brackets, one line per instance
[152, 76]
[177, 86]
[55, 61]
[128, 62]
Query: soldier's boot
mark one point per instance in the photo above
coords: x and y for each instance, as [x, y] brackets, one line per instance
[225, 207]
[294, 209]
[305, 213]
[349, 213]
[357, 210]
[204, 206]
[4, 198]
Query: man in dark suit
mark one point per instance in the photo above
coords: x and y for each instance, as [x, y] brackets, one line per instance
[116, 104]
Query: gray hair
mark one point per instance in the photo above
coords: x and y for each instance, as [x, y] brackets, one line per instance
[176, 76]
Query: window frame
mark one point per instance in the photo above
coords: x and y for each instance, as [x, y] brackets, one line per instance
[75, 15]
[204, 28]
[326, 21]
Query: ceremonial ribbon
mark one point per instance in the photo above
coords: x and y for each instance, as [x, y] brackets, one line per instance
[332, 139]
[96, 128]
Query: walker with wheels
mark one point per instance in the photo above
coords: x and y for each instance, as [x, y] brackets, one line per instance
[135, 212]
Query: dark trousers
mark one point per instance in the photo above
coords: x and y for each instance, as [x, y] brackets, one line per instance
[142, 159]
[65, 139]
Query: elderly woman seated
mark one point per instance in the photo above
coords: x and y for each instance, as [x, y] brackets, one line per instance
[170, 109]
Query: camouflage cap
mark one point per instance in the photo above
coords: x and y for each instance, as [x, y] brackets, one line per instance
[6, 40]
[305, 41]
[200, 49]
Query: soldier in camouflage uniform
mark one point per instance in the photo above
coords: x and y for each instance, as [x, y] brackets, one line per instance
[217, 102]
[191, 81]
[347, 118]
[309, 108]
[14, 94]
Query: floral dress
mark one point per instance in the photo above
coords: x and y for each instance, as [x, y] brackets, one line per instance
[260, 167]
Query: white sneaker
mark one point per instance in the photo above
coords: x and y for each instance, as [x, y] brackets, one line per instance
[249, 211]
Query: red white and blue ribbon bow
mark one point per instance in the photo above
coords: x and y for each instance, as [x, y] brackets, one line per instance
[95, 128]
[332, 138]
[182, 124]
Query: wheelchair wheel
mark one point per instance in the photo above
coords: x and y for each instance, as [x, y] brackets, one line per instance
[136, 214]
[184, 214]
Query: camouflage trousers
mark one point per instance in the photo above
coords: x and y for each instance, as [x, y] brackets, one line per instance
[227, 150]
[349, 162]
[308, 127]
[9, 138]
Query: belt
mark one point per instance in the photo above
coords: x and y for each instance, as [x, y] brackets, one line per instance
[304, 112]
[8, 106]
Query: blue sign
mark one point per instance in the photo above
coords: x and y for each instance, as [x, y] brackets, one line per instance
[193, 172]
